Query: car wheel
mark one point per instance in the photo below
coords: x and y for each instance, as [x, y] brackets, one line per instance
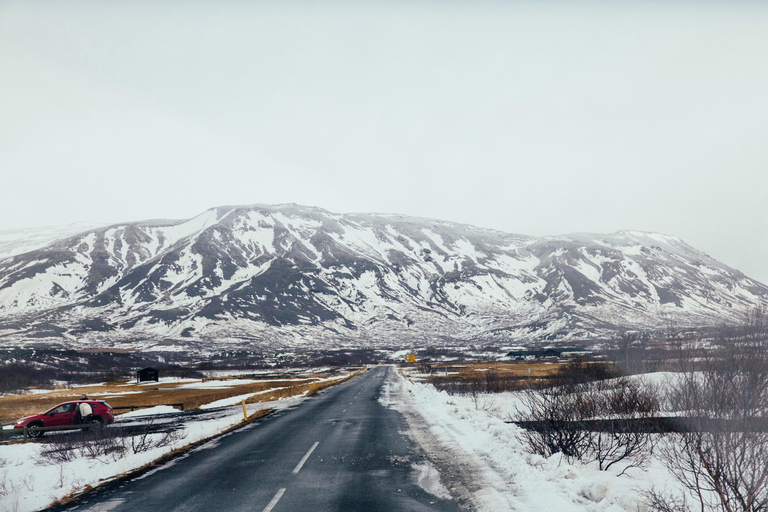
[97, 422]
[35, 433]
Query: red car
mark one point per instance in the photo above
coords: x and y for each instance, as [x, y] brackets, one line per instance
[64, 414]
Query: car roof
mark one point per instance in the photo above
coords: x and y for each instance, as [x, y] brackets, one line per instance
[77, 402]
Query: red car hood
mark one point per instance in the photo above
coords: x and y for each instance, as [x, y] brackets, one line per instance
[26, 419]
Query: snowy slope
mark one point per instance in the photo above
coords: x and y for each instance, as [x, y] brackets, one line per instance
[288, 274]
[19, 241]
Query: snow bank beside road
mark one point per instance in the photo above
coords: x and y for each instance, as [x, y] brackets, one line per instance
[497, 473]
[28, 483]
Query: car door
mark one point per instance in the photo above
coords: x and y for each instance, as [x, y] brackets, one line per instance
[61, 415]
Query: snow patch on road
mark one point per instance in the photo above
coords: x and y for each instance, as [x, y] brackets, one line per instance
[428, 479]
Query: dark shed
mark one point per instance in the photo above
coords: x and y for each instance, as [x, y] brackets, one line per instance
[147, 374]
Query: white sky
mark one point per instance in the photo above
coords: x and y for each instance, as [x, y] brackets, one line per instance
[529, 117]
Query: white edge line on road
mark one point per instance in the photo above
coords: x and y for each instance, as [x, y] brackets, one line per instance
[304, 459]
[274, 501]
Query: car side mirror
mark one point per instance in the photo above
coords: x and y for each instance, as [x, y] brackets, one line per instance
[50, 414]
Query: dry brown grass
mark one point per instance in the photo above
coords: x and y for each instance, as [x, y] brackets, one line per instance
[497, 377]
[473, 371]
[13, 407]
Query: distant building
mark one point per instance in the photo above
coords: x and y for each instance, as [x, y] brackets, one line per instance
[147, 375]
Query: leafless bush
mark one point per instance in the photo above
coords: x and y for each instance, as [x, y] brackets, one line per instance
[148, 439]
[496, 382]
[624, 401]
[492, 381]
[89, 444]
[722, 460]
[425, 368]
[629, 352]
[102, 443]
[58, 452]
[29, 482]
[106, 444]
[580, 372]
[477, 392]
[561, 420]
[4, 484]
[555, 412]
[662, 501]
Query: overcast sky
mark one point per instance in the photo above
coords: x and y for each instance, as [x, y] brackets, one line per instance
[529, 117]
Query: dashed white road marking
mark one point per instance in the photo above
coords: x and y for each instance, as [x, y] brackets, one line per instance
[274, 501]
[304, 459]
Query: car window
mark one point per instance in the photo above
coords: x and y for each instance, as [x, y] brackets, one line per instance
[62, 408]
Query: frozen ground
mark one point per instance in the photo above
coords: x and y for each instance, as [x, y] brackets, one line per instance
[488, 469]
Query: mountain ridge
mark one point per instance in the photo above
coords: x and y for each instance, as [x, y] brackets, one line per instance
[277, 275]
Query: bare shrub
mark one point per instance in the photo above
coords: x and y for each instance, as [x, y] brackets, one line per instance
[149, 438]
[93, 444]
[106, 444]
[425, 368]
[554, 414]
[29, 482]
[101, 443]
[563, 419]
[476, 390]
[722, 458]
[662, 501]
[59, 451]
[491, 381]
[496, 382]
[581, 372]
[5, 486]
[623, 401]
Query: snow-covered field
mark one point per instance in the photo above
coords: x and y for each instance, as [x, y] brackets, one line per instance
[496, 472]
[29, 482]
[480, 458]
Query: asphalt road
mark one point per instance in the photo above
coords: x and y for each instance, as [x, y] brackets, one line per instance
[340, 450]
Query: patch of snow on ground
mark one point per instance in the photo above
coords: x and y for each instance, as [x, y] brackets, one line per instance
[218, 384]
[149, 411]
[234, 400]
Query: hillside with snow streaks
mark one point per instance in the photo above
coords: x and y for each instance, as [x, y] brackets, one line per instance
[292, 275]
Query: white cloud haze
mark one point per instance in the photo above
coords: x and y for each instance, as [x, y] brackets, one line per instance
[529, 117]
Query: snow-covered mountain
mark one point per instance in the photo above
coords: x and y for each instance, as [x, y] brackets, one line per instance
[295, 275]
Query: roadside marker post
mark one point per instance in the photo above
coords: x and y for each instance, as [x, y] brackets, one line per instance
[245, 414]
